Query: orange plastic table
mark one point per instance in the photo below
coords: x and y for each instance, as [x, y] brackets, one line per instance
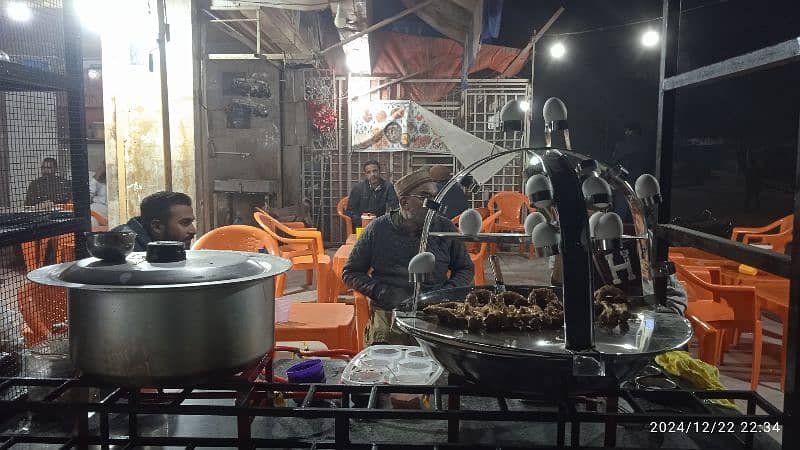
[339, 260]
[351, 239]
[333, 324]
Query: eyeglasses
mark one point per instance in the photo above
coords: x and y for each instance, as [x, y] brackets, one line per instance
[423, 197]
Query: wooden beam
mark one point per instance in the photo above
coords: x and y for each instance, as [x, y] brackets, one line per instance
[376, 26]
[162, 70]
[263, 56]
[230, 31]
[528, 49]
[761, 59]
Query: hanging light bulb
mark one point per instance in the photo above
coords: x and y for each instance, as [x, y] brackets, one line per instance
[340, 19]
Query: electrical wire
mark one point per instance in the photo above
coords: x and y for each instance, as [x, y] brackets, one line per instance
[636, 22]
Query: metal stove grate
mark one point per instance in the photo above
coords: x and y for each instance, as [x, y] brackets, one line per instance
[260, 406]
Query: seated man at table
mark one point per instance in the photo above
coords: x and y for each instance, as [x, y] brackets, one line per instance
[388, 245]
[50, 187]
[374, 195]
[165, 216]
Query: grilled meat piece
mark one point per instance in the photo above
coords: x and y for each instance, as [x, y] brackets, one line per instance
[611, 294]
[542, 297]
[508, 311]
[512, 298]
[611, 309]
[479, 297]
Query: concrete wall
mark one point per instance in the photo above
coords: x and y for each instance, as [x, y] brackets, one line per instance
[296, 136]
[252, 153]
[132, 104]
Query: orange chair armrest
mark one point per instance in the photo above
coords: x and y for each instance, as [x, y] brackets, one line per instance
[310, 242]
[702, 324]
[295, 253]
[361, 303]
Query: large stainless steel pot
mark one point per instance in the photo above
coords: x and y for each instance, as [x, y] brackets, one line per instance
[142, 323]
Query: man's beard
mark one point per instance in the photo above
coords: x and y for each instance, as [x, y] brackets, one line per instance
[188, 243]
[413, 219]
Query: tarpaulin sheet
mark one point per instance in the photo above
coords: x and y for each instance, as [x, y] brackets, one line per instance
[401, 54]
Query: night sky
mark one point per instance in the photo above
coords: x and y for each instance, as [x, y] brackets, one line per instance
[607, 79]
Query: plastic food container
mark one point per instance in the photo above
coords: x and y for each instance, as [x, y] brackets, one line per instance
[391, 364]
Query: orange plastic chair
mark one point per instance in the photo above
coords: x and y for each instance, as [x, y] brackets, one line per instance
[275, 226]
[333, 324]
[478, 252]
[102, 221]
[306, 252]
[249, 239]
[341, 207]
[778, 240]
[729, 309]
[292, 225]
[782, 224]
[44, 308]
[509, 204]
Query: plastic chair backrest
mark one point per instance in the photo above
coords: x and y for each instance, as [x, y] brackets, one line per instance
[778, 241]
[509, 204]
[783, 224]
[269, 223]
[233, 237]
[341, 208]
[741, 299]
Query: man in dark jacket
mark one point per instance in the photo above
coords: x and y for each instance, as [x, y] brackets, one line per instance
[50, 187]
[387, 246]
[165, 216]
[455, 201]
[374, 195]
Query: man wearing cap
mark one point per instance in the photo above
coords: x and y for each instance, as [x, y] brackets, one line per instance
[374, 195]
[455, 201]
[387, 246]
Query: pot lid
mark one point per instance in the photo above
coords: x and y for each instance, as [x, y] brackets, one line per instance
[201, 267]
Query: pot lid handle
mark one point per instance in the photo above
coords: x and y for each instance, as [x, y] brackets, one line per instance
[165, 252]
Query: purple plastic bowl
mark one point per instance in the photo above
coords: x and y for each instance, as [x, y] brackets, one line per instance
[309, 371]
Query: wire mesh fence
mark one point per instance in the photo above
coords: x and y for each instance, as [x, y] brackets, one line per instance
[32, 34]
[330, 173]
[43, 173]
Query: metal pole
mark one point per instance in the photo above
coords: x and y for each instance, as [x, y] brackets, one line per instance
[791, 425]
[162, 68]
[670, 27]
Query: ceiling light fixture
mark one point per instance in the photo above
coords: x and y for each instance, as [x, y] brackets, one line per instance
[650, 38]
[18, 12]
[558, 50]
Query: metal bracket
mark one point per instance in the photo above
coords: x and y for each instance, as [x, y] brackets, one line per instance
[663, 269]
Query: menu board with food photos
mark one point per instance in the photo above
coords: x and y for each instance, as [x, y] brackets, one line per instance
[392, 125]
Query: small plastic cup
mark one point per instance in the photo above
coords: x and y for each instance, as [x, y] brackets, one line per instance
[282, 306]
[413, 372]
